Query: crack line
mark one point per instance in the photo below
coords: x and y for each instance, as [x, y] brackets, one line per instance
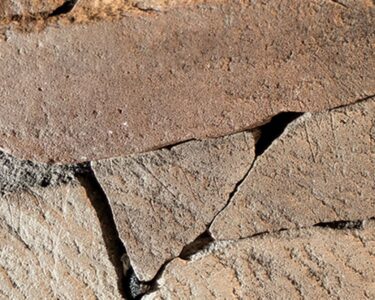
[100, 202]
[340, 4]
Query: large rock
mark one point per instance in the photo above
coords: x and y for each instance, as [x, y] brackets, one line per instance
[51, 247]
[164, 199]
[301, 264]
[104, 89]
[321, 169]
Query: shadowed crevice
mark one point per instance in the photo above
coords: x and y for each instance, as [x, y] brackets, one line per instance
[135, 289]
[273, 129]
[342, 224]
[202, 242]
[65, 8]
[340, 3]
[113, 244]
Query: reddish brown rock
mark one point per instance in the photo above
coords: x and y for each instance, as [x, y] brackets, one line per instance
[301, 264]
[105, 89]
[51, 247]
[321, 169]
[163, 200]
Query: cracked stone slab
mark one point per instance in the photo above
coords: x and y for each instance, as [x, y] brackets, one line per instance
[105, 89]
[321, 169]
[163, 200]
[298, 264]
[51, 246]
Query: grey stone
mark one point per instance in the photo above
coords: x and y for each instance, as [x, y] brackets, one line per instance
[51, 246]
[310, 263]
[321, 169]
[163, 200]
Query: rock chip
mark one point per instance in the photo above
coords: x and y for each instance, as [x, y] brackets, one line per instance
[51, 246]
[163, 200]
[103, 89]
[298, 264]
[321, 169]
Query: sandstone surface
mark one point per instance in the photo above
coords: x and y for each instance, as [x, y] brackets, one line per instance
[163, 200]
[321, 169]
[111, 88]
[51, 246]
[298, 264]
[23, 8]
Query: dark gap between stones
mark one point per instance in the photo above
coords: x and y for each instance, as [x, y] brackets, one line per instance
[357, 224]
[64, 8]
[200, 243]
[171, 146]
[113, 244]
[135, 289]
[273, 129]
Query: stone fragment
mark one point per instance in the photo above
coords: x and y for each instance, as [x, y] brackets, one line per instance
[105, 89]
[321, 169]
[297, 264]
[163, 200]
[23, 8]
[51, 246]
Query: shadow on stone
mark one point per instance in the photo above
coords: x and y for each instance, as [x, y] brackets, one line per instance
[113, 244]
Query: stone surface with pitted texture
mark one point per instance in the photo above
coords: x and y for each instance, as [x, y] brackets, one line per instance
[110, 88]
[321, 169]
[307, 263]
[51, 246]
[134, 160]
[164, 199]
[22, 8]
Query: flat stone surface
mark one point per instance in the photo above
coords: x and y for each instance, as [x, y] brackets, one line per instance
[299, 264]
[321, 169]
[163, 200]
[51, 247]
[104, 89]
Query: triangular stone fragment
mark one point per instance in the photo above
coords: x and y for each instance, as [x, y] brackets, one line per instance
[163, 200]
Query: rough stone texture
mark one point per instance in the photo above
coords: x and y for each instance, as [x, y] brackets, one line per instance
[105, 89]
[302, 264]
[81, 10]
[20, 8]
[51, 247]
[321, 169]
[18, 174]
[164, 199]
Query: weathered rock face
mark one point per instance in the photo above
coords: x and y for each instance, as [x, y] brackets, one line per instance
[80, 10]
[164, 199]
[20, 8]
[308, 263]
[321, 169]
[51, 247]
[107, 89]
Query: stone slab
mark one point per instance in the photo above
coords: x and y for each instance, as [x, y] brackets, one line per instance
[51, 246]
[299, 264]
[163, 200]
[101, 89]
[321, 169]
